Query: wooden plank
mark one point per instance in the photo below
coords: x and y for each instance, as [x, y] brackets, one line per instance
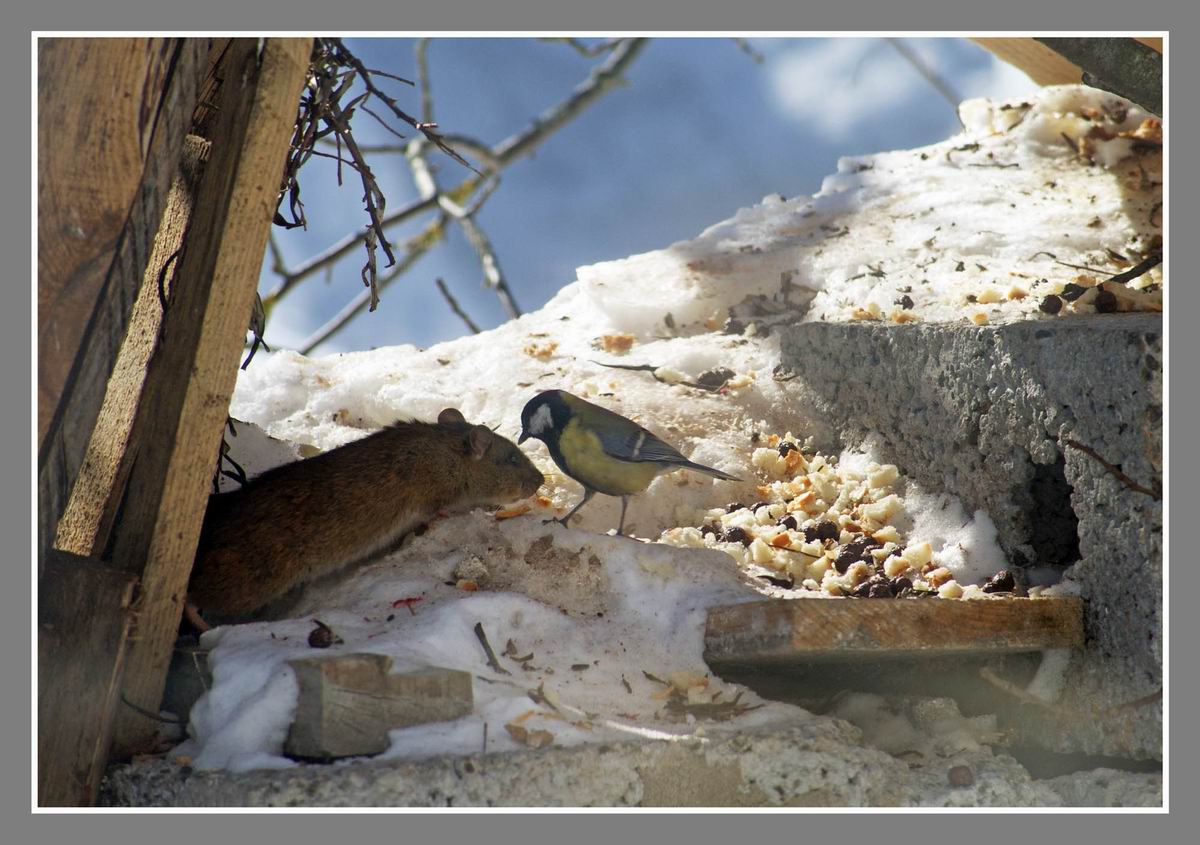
[82, 207]
[120, 261]
[349, 702]
[84, 620]
[1039, 62]
[190, 379]
[92, 506]
[802, 631]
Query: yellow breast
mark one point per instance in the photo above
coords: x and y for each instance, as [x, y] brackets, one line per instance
[588, 463]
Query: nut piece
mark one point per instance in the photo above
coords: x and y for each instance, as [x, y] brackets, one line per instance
[939, 576]
[950, 590]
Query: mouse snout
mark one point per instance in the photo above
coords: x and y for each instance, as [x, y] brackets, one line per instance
[531, 481]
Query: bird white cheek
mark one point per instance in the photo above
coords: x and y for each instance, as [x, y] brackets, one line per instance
[541, 421]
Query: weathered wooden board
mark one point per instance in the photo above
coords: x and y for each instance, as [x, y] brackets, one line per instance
[92, 149]
[84, 620]
[1039, 62]
[92, 506]
[349, 702]
[96, 233]
[803, 631]
[190, 378]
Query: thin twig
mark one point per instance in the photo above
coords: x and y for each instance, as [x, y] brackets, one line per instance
[322, 260]
[744, 46]
[583, 49]
[910, 55]
[493, 277]
[487, 648]
[1138, 269]
[599, 82]
[421, 52]
[425, 128]
[1120, 476]
[416, 249]
[456, 308]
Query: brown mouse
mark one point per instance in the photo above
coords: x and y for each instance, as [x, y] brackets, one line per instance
[299, 521]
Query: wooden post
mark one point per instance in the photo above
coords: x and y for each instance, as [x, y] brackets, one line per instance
[95, 235]
[189, 381]
[84, 619]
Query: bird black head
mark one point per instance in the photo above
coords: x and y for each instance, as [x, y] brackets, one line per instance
[544, 416]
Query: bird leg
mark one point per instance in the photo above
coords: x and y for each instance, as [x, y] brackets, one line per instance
[587, 494]
[621, 525]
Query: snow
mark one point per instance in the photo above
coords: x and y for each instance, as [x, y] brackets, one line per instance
[955, 227]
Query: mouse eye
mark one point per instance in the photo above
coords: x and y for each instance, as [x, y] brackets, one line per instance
[512, 459]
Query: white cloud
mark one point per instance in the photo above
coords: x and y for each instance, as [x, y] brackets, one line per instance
[840, 85]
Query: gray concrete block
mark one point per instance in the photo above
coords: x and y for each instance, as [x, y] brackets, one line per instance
[349, 702]
[985, 413]
[817, 762]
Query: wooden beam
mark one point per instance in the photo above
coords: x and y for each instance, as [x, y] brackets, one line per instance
[92, 506]
[1044, 65]
[84, 619]
[82, 207]
[189, 382]
[73, 97]
[802, 631]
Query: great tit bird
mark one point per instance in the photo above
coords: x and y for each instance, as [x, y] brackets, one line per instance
[603, 451]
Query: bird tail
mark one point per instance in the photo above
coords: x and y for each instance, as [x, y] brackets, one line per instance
[708, 470]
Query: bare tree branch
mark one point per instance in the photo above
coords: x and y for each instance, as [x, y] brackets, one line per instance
[417, 247]
[456, 308]
[910, 55]
[459, 204]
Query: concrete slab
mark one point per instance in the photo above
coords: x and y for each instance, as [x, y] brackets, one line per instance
[818, 762]
[986, 413]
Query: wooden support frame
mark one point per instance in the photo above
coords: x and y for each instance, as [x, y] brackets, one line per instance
[172, 373]
[85, 614]
[189, 380]
[61, 450]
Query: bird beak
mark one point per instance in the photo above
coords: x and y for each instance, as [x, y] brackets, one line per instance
[524, 436]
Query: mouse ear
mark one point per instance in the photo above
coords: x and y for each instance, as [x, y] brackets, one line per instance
[479, 439]
[451, 416]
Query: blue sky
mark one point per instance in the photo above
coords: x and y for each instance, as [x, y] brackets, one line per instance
[699, 131]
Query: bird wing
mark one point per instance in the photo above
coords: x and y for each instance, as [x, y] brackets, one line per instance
[639, 445]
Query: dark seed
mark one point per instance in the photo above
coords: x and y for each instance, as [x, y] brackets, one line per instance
[901, 584]
[1051, 304]
[960, 776]
[824, 530]
[971, 297]
[759, 505]
[1072, 292]
[1001, 582]
[738, 535]
[789, 522]
[714, 378]
[905, 302]
[1106, 302]
[733, 506]
[785, 447]
[708, 528]
[880, 589]
[855, 551]
[322, 636]
[785, 583]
